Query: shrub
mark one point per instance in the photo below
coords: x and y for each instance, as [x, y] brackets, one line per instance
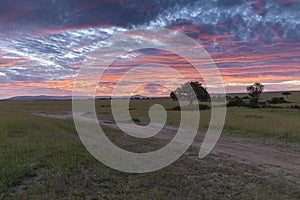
[192, 107]
[136, 120]
[295, 107]
[176, 108]
[277, 100]
[236, 102]
[264, 104]
[203, 107]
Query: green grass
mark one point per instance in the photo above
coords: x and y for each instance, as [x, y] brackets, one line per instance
[264, 123]
[294, 98]
[268, 123]
[43, 158]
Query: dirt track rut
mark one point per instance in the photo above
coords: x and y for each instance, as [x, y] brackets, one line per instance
[230, 147]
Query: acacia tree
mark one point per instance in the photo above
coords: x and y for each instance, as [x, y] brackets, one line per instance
[173, 96]
[190, 91]
[255, 91]
[286, 94]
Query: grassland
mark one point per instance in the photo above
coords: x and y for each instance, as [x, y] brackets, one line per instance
[280, 123]
[43, 158]
[294, 99]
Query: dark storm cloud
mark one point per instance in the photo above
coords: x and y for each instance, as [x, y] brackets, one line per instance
[266, 20]
[34, 15]
[26, 16]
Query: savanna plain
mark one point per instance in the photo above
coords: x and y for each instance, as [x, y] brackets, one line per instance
[42, 157]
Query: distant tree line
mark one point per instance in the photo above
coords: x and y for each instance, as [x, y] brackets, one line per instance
[253, 100]
[194, 90]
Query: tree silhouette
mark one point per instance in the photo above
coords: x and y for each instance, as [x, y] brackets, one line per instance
[190, 91]
[286, 94]
[255, 91]
[173, 96]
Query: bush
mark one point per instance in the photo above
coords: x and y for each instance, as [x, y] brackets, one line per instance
[253, 103]
[136, 120]
[176, 108]
[192, 107]
[203, 107]
[236, 102]
[264, 104]
[295, 107]
[277, 100]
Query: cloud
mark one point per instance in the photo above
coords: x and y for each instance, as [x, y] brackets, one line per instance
[244, 19]
[47, 40]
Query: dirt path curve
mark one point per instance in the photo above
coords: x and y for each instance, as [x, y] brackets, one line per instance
[231, 147]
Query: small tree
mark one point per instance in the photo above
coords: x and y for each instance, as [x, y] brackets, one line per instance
[286, 94]
[255, 91]
[173, 96]
[191, 91]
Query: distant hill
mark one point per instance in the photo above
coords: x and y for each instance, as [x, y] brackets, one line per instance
[45, 97]
[266, 95]
[42, 97]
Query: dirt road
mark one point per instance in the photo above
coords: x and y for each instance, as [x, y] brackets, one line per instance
[230, 147]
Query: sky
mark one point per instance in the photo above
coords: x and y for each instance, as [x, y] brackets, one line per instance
[43, 43]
